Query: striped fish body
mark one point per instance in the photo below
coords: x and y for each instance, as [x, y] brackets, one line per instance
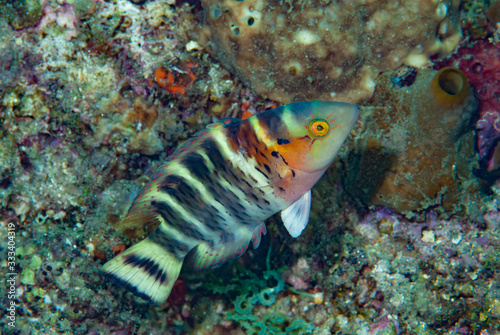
[209, 200]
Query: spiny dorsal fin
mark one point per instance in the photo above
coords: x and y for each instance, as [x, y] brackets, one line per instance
[225, 122]
[188, 144]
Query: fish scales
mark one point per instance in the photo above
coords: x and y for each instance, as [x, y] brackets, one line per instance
[207, 203]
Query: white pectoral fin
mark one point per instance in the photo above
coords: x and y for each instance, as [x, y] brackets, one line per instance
[296, 217]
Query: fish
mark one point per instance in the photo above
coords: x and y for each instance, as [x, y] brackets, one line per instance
[210, 199]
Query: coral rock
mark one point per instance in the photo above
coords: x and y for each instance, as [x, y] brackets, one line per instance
[417, 149]
[292, 51]
[481, 64]
[22, 14]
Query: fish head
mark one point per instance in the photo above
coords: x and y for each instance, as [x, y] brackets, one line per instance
[310, 134]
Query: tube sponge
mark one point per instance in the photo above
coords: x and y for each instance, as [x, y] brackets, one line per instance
[449, 87]
[417, 148]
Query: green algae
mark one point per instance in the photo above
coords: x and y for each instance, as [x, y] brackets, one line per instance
[35, 263]
[264, 291]
[28, 277]
[272, 323]
[22, 14]
[259, 290]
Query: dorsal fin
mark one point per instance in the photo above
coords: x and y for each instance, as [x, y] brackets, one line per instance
[189, 143]
[228, 121]
[225, 122]
[141, 221]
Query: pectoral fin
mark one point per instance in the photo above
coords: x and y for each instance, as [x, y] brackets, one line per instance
[296, 217]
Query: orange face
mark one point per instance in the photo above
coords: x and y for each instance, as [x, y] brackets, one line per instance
[308, 135]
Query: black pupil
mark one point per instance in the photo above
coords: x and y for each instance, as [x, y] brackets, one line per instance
[320, 127]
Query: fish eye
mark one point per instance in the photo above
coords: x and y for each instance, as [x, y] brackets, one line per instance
[318, 128]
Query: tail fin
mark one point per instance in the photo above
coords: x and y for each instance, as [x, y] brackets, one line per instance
[146, 269]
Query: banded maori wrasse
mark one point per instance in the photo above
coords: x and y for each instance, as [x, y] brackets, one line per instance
[209, 200]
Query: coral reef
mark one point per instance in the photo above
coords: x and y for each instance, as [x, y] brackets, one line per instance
[22, 14]
[481, 64]
[264, 291]
[86, 119]
[293, 51]
[417, 147]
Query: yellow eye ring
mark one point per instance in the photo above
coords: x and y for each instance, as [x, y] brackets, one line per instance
[318, 128]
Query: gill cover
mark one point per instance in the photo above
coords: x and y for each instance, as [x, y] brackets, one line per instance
[312, 132]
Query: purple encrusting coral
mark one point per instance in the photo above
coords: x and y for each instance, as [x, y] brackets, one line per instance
[481, 64]
[94, 95]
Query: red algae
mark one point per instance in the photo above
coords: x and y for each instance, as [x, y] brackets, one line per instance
[175, 82]
[481, 65]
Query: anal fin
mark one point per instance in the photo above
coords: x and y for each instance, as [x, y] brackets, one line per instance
[257, 235]
[205, 256]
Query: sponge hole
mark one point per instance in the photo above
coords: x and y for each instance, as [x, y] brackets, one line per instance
[250, 21]
[293, 68]
[235, 30]
[215, 12]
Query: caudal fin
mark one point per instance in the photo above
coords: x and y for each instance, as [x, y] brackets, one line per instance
[146, 269]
